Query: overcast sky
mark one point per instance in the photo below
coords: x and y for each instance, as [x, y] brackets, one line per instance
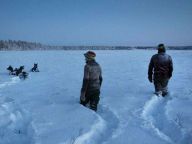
[97, 22]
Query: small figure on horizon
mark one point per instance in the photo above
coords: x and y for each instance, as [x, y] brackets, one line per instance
[35, 68]
[92, 81]
[23, 75]
[19, 70]
[160, 70]
[10, 69]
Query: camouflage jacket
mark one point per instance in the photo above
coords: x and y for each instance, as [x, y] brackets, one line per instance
[92, 79]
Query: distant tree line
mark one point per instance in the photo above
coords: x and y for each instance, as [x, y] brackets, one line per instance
[24, 45]
[19, 45]
[169, 47]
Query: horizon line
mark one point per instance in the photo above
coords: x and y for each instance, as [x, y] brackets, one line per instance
[94, 45]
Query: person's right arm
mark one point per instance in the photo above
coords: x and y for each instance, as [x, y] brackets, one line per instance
[85, 79]
[150, 70]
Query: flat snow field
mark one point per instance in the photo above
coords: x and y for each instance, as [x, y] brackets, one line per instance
[45, 109]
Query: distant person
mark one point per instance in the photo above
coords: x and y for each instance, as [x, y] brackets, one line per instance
[160, 70]
[35, 68]
[92, 81]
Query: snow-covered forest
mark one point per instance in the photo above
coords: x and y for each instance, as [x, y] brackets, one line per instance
[24, 45]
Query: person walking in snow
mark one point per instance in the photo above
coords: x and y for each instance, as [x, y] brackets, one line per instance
[160, 70]
[92, 81]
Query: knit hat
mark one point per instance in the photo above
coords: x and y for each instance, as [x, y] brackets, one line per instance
[161, 48]
[90, 55]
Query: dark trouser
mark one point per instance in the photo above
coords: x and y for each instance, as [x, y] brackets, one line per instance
[161, 85]
[93, 98]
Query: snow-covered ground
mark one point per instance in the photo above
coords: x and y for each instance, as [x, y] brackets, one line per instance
[44, 108]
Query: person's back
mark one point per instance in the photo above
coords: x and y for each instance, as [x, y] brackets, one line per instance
[160, 70]
[162, 64]
[94, 71]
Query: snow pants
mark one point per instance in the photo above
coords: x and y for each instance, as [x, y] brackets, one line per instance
[161, 85]
[91, 97]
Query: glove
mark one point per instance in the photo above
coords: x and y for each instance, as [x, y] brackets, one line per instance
[150, 78]
[82, 97]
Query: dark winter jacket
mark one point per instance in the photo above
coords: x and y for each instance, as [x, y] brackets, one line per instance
[92, 77]
[160, 66]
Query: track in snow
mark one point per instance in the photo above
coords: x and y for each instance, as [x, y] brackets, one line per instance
[154, 114]
[15, 123]
[105, 127]
[13, 81]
